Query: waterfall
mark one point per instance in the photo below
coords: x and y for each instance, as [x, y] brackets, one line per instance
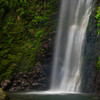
[67, 63]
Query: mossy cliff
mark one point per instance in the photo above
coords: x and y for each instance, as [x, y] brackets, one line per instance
[98, 25]
[24, 26]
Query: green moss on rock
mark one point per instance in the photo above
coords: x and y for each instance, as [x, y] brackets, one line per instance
[98, 18]
[23, 27]
[3, 95]
[98, 25]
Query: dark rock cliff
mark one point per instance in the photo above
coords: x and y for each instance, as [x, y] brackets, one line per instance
[91, 80]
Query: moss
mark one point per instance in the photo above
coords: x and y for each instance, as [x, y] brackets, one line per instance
[98, 64]
[24, 24]
[98, 18]
[98, 25]
[3, 95]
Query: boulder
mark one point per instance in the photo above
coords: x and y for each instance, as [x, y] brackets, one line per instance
[5, 84]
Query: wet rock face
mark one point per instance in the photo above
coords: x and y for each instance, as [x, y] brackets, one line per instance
[36, 80]
[91, 74]
[94, 82]
[3, 95]
[27, 81]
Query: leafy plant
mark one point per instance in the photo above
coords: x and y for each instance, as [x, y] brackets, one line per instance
[24, 24]
[98, 18]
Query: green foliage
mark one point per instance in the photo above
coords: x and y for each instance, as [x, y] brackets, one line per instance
[23, 26]
[98, 64]
[98, 18]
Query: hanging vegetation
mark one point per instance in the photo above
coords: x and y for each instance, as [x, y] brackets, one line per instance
[23, 26]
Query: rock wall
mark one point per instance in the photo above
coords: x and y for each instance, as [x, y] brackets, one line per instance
[91, 80]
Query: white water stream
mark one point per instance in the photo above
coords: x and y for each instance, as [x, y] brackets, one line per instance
[67, 64]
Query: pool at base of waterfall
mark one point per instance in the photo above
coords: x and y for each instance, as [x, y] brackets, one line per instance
[61, 96]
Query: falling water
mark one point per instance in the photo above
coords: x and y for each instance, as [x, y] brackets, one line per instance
[67, 64]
